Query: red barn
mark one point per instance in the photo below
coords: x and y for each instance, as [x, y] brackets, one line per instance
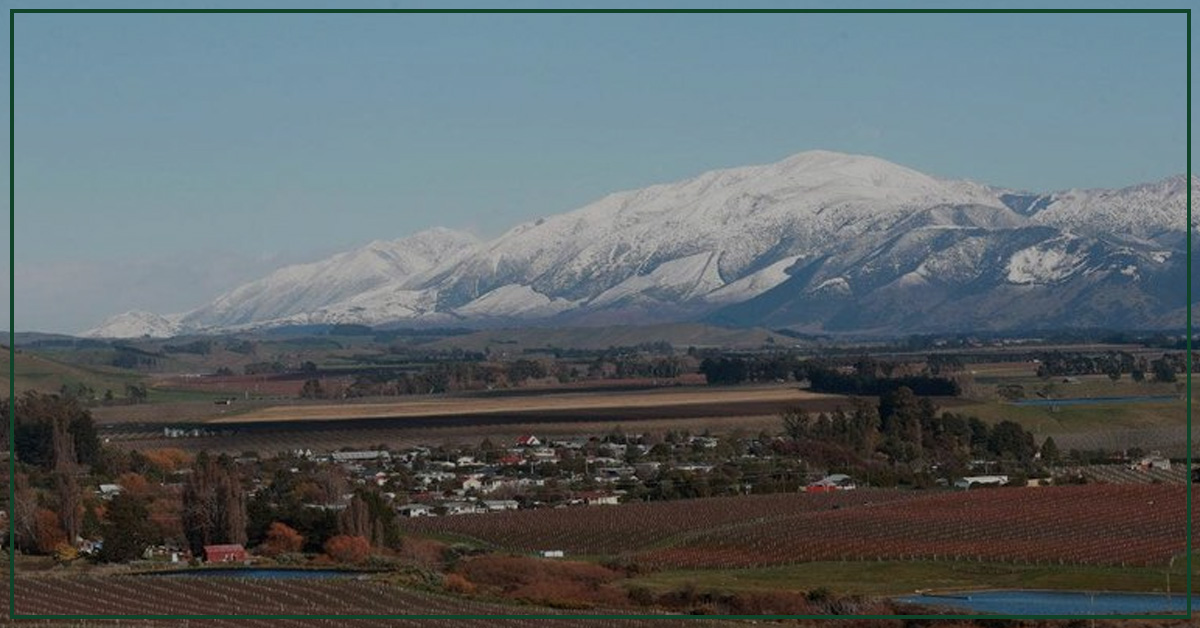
[224, 553]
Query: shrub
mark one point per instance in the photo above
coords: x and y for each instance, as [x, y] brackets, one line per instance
[347, 549]
[455, 583]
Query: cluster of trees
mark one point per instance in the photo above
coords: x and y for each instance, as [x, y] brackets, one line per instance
[1113, 364]
[755, 368]
[908, 429]
[295, 512]
[864, 382]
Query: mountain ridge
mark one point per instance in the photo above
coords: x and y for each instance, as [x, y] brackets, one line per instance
[819, 240]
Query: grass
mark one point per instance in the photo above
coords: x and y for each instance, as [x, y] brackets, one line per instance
[42, 373]
[902, 577]
[1070, 419]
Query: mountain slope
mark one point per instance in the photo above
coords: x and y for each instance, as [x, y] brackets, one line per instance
[820, 241]
[295, 291]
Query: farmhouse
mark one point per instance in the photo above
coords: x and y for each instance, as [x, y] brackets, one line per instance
[231, 553]
[981, 480]
[359, 456]
[529, 440]
[415, 510]
[835, 482]
[597, 498]
[462, 508]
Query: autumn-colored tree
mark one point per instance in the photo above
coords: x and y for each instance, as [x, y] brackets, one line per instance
[167, 460]
[134, 484]
[25, 519]
[70, 505]
[368, 515]
[281, 539]
[348, 549]
[214, 504]
[355, 520]
[48, 534]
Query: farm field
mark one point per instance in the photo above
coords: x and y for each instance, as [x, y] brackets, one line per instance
[629, 529]
[136, 595]
[555, 403]
[1116, 525]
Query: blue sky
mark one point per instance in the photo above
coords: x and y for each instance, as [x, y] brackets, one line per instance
[161, 159]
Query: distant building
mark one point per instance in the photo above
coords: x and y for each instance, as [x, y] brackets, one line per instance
[232, 553]
[529, 440]
[597, 498]
[359, 456]
[415, 510]
[835, 482]
[981, 480]
[1154, 461]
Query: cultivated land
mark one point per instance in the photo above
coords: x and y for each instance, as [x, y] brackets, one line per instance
[874, 542]
[1114, 525]
[626, 402]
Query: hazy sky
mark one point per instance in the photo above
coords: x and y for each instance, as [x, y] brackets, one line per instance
[162, 159]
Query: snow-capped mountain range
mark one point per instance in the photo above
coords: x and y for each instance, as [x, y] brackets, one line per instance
[818, 241]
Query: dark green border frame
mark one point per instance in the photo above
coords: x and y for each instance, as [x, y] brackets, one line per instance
[12, 614]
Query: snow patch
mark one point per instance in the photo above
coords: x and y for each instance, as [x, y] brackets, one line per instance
[1036, 265]
[515, 300]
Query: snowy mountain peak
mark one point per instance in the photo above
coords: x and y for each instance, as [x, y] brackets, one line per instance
[820, 239]
[135, 324]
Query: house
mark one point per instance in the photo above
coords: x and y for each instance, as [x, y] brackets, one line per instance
[462, 508]
[529, 440]
[415, 510]
[597, 498]
[495, 505]
[981, 480]
[359, 456]
[834, 482]
[552, 553]
[231, 553]
[109, 491]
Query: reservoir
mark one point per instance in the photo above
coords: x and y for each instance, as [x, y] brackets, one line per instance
[1054, 602]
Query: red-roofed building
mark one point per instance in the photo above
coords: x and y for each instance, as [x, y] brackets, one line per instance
[529, 440]
[233, 553]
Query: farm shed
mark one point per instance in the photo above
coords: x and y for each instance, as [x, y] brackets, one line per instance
[232, 553]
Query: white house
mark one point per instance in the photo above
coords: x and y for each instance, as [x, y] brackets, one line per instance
[981, 480]
[415, 510]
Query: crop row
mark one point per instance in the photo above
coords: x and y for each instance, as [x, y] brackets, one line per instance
[601, 530]
[1092, 524]
[133, 595]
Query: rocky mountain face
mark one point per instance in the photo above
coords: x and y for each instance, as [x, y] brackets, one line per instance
[818, 241]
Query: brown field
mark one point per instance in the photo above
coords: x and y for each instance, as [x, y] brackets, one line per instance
[1094, 524]
[697, 399]
[153, 595]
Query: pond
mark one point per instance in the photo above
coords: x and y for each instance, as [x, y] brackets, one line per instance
[258, 573]
[1092, 401]
[1021, 602]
